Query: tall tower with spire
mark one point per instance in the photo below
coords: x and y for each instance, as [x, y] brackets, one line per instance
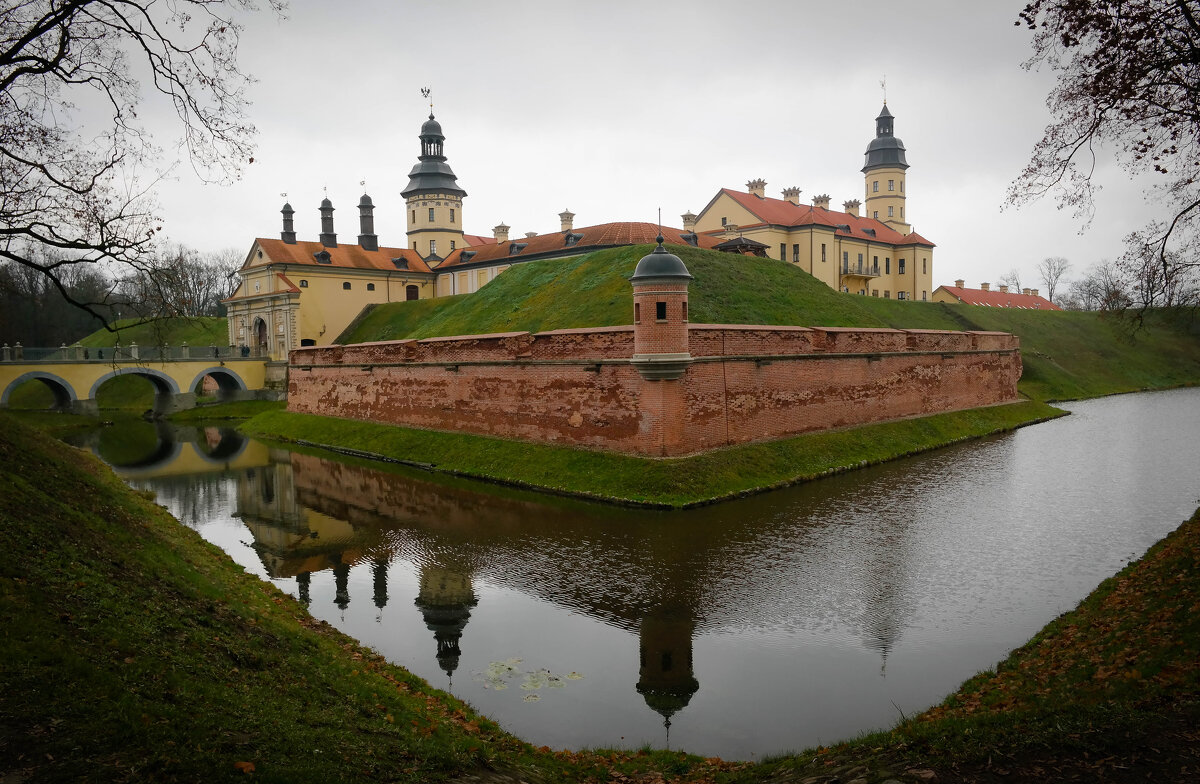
[885, 174]
[433, 199]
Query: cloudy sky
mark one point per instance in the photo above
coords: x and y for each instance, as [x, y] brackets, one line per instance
[614, 109]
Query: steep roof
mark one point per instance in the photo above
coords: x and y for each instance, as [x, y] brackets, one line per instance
[341, 257]
[781, 212]
[998, 299]
[569, 243]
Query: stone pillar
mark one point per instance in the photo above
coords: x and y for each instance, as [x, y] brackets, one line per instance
[6, 353]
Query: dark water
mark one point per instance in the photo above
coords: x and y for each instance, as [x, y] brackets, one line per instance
[755, 627]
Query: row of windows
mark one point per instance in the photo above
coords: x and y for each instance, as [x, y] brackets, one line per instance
[891, 186]
[891, 213]
[431, 215]
[410, 292]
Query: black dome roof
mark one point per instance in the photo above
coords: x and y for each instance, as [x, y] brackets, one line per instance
[432, 127]
[660, 263]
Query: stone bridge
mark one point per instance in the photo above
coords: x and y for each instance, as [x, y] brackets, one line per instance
[74, 373]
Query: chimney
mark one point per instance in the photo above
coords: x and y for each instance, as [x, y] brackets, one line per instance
[731, 230]
[792, 195]
[328, 238]
[821, 201]
[568, 219]
[500, 233]
[530, 235]
[757, 187]
[851, 207]
[689, 221]
[367, 240]
[1034, 292]
[1025, 292]
[960, 284]
[985, 287]
[1003, 288]
[288, 234]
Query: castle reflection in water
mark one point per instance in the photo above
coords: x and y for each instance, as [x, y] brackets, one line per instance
[307, 515]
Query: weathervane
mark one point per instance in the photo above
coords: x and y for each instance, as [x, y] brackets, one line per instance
[883, 86]
[428, 93]
[283, 195]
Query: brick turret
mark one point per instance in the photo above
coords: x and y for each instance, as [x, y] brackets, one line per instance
[660, 315]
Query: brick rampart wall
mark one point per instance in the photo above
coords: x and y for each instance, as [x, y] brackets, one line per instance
[576, 387]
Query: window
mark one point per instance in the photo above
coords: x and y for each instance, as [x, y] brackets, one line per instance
[346, 286]
[411, 293]
[923, 297]
[891, 212]
[874, 292]
[783, 251]
[685, 310]
[432, 247]
[431, 214]
[414, 216]
[451, 244]
[901, 213]
[822, 251]
[887, 294]
[845, 260]
[370, 287]
[303, 283]
[891, 185]
[875, 264]
[901, 295]
[452, 215]
[875, 214]
[637, 313]
[902, 186]
[875, 187]
[724, 221]
[900, 265]
[795, 253]
[660, 311]
[887, 265]
[860, 261]
[924, 269]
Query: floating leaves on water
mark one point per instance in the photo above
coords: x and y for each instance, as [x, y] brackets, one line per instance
[498, 674]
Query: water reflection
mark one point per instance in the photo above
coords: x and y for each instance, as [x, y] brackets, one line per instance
[784, 620]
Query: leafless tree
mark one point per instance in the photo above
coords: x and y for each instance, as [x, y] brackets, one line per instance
[73, 192]
[1012, 279]
[1051, 271]
[1128, 79]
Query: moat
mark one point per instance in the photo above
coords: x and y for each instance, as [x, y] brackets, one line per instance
[799, 617]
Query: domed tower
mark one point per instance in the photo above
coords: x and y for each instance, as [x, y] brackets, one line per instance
[884, 169]
[666, 679]
[434, 199]
[660, 315]
[445, 600]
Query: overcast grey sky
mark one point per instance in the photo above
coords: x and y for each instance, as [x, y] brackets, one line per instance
[614, 109]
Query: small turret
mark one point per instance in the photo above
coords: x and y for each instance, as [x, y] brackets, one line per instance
[328, 238]
[288, 234]
[660, 315]
[367, 238]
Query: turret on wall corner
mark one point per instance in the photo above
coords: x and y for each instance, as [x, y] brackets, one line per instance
[660, 315]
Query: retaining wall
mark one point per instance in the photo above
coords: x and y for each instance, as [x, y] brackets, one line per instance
[576, 387]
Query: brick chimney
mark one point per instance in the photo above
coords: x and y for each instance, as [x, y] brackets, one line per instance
[757, 188]
[501, 232]
[985, 287]
[1025, 292]
[961, 284]
[1034, 292]
[328, 238]
[821, 201]
[530, 235]
[288, 234]
[792, 195]
[689, 221]
[852, 206]
[367, 239]
[567, 218]
[1003, 288]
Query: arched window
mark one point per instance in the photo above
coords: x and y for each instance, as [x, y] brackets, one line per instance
[346, 286]
[370, 287]
[411, 293]
[303, 283]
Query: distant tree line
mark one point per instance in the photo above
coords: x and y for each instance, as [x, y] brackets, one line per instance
[1121, 286]
[41, 310]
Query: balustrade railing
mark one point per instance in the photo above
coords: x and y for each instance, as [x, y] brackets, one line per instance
[131, 353]
[866, 270]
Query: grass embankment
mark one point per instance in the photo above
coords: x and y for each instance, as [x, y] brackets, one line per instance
[672, 482]
[1066, 355]
[135, 651]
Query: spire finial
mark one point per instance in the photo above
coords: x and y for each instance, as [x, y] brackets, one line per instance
[883, 86]
[660, 236]
[428, 93]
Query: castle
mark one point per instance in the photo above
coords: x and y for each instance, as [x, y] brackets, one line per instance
[295, 293]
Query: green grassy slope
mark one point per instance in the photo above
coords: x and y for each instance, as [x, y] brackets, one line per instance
[1066, 355]
[199, 331]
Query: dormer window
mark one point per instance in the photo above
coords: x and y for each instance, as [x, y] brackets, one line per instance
[467, 255]
[400, 263]
[516, 248]
[691, 239]
[323, 257]
[572, 238]
[869, 232]
[844, 227]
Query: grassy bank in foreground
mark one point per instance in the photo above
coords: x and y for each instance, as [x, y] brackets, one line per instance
[134, 651]
[673, 482]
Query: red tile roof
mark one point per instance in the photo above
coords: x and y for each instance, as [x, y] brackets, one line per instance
[781, 212]
[478, 239]
[606, 235]
[998, 299]
[291, 288]
[344, 256]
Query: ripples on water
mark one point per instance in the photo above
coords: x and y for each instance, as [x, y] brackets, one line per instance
[776, 622]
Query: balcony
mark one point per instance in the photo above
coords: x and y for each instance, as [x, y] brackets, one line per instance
[860, 270]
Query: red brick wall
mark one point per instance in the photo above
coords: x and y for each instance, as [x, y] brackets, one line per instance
[747, 383]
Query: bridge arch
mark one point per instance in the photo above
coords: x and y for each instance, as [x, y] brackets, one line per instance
[228, 381]
[65, 396]
[166, 389]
